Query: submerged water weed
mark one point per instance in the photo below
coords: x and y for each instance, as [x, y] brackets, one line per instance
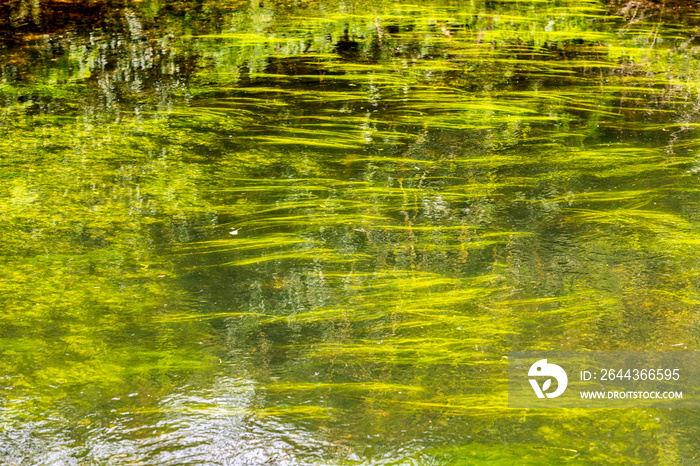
[238, 221]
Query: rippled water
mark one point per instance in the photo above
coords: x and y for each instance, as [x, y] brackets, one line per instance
[310, 232]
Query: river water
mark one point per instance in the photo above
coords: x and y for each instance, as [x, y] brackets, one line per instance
[310, 232]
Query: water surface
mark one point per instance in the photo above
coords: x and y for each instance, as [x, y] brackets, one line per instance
[309, 232]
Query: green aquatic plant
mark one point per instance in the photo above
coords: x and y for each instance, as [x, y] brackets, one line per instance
[336, 219]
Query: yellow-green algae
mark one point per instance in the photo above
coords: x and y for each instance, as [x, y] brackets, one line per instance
[240, 217]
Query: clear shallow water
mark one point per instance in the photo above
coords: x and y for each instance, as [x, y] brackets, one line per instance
[238, 234]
